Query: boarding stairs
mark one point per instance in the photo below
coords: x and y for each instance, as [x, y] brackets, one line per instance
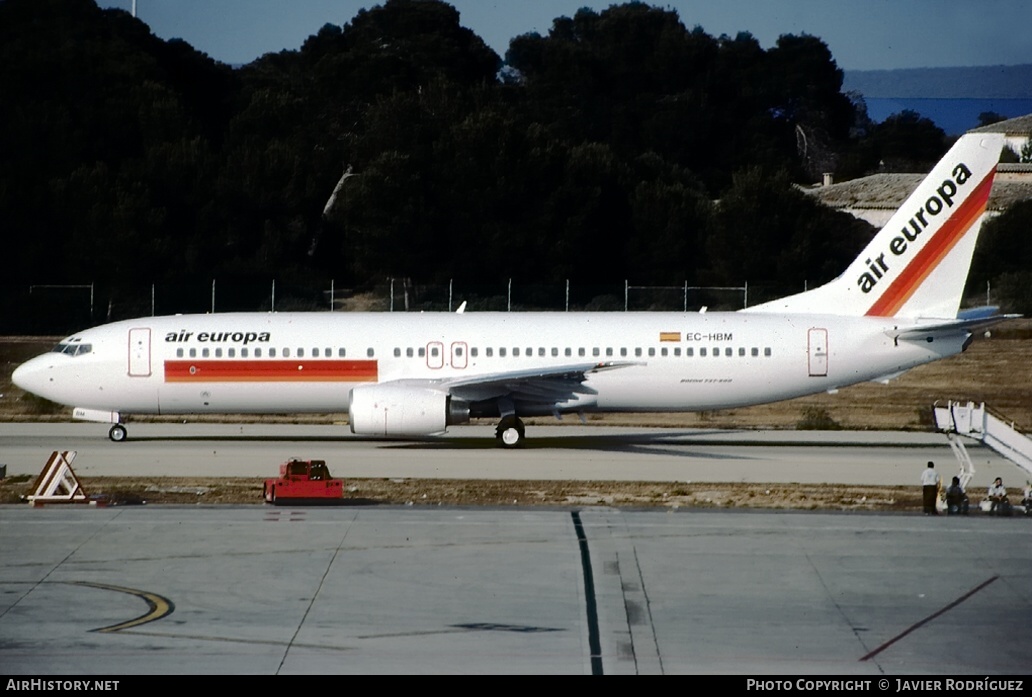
[978, 422]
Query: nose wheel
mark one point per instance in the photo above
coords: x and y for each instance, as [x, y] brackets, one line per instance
[118, 433]
[510, 432]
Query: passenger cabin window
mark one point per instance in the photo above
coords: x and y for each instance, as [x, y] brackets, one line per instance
[341, 353]
[370, 352]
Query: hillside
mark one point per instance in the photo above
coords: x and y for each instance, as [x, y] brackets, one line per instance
[979, 82]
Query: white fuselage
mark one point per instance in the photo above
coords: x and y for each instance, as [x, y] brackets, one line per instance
[294, 362]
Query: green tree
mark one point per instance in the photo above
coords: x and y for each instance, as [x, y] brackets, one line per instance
[1003, 259]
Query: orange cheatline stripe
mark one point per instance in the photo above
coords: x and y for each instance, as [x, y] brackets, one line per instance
[933, 252]
[270, 371]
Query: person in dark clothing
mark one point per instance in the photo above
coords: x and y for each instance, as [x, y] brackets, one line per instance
[956, 500]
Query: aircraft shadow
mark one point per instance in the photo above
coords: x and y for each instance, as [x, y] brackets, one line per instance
[670, 443]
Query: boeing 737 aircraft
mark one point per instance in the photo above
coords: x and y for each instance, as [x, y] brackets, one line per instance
[897, 306]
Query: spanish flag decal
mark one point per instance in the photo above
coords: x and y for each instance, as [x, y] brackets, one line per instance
[670, 336]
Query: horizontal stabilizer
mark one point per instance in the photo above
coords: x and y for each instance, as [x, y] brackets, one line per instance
[923, 332]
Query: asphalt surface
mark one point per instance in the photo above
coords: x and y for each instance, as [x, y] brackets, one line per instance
[253, 590]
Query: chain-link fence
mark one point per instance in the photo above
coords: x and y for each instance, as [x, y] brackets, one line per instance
[56, 308]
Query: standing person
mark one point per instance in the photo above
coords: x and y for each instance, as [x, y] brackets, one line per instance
[930, 488]
[997, 494]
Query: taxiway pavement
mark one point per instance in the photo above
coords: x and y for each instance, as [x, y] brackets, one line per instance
[234, 590]
[470, 452]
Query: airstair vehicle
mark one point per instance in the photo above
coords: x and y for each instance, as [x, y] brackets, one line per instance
[993, 429]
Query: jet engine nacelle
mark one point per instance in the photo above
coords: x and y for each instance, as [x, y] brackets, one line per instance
[400, 410]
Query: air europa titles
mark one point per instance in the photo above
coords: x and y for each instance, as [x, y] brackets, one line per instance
[898, 246]
[244, 338]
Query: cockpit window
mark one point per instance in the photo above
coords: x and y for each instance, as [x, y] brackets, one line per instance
[72, 349]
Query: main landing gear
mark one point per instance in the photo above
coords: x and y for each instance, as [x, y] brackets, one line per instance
[118, 433]
[510, 432]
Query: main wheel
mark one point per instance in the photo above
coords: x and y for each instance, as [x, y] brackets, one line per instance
[510, 432]
[118, 433]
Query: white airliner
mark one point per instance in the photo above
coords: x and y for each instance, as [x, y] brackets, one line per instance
[401, 374]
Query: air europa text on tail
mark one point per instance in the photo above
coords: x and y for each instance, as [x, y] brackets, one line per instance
[942, 200]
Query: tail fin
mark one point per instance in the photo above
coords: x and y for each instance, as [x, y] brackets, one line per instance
[917, 265]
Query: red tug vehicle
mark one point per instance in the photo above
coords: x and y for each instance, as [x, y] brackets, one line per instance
[304, 481]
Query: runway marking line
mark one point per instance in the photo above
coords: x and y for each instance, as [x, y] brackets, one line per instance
[931, 617]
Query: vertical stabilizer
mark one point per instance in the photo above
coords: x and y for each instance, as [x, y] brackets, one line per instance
[917, 265]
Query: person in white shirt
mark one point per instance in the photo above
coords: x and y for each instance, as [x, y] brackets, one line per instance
[998, 497]
[930, 489]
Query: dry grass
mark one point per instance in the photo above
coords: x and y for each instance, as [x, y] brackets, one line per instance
[442, 492]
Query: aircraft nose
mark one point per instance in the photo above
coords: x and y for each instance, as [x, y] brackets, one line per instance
[31, 375]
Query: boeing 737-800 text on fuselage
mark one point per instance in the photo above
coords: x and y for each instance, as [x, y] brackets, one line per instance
[897, 306]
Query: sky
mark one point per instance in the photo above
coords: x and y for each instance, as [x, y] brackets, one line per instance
[862, 34]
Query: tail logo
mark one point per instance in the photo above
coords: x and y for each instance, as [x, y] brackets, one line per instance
[898, 246]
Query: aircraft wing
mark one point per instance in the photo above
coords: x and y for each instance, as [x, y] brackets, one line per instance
[546, 386]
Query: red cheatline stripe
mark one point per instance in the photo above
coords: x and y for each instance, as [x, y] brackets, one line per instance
[270, 371]
[933, 252]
